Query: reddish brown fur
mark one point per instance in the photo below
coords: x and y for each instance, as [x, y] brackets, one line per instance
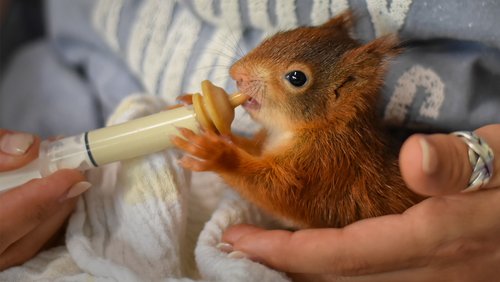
[337, 166]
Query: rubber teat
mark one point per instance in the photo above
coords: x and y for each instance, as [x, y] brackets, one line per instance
[215, 109]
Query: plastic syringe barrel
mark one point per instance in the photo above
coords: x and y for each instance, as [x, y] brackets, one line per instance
[134, 138]
[123, 141]
[118, 142]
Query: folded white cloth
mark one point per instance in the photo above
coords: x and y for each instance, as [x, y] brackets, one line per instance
[147, 219]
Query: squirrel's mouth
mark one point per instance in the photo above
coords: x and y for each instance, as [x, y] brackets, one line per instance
[251, 104]
[250, 87]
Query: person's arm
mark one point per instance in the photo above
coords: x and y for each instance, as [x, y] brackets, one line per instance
[451, 236]
[32, 214]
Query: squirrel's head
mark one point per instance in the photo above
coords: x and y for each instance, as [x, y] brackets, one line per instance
[313, 74]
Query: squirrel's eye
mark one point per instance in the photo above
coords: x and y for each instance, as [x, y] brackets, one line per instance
[296, 78]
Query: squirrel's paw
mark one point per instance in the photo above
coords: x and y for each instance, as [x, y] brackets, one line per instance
[207, 151]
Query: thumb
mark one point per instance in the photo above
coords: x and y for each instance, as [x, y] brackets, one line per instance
[438, 164]
[17, 149]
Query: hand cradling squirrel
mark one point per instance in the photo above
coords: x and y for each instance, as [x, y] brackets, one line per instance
[322, 158]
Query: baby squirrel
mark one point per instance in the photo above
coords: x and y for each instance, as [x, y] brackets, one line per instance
[322, 159]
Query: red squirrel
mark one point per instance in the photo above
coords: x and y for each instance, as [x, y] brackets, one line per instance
[322, 158]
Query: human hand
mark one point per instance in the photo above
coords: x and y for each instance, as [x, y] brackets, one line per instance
[448, 237]
[32, 214]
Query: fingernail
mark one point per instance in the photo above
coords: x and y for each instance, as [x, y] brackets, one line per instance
[16, 143]
[77, 190]
[237, 255]
[429, 158]
[225, 247]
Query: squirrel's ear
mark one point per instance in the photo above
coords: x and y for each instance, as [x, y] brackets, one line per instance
[344, 20]
[384, 47]
[367, 64]
[373, 54]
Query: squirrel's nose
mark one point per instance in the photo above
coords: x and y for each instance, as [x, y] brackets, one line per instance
[241, 79]
[239, 74]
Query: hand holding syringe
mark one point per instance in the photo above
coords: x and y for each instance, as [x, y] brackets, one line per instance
[214, 110]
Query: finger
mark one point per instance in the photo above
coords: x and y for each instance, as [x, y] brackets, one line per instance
[24, 208]
[190, 148]
[435, 165]
[197, 139]
[186, 99]
[183, 100]
[236, 232]
[194, 164]
[29, 245]
[216, 138]
[481, 266]
[364, 247]
[435, 230]
[186, 132]
[438, 164]
[17, 149]
[193, 144]
[462, 271]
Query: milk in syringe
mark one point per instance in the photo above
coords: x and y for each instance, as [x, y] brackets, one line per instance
[214, 110]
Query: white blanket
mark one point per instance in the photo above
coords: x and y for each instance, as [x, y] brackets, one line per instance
[147, 219]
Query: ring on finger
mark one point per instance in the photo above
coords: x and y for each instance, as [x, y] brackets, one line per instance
[480, 158]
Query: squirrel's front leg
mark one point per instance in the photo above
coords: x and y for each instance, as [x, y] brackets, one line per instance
[253, 145]
[261, 179]
[208, 151]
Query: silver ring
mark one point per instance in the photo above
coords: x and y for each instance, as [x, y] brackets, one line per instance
[480, 158]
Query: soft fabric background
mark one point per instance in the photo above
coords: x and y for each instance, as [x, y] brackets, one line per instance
[98, 52]
[146, 219]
